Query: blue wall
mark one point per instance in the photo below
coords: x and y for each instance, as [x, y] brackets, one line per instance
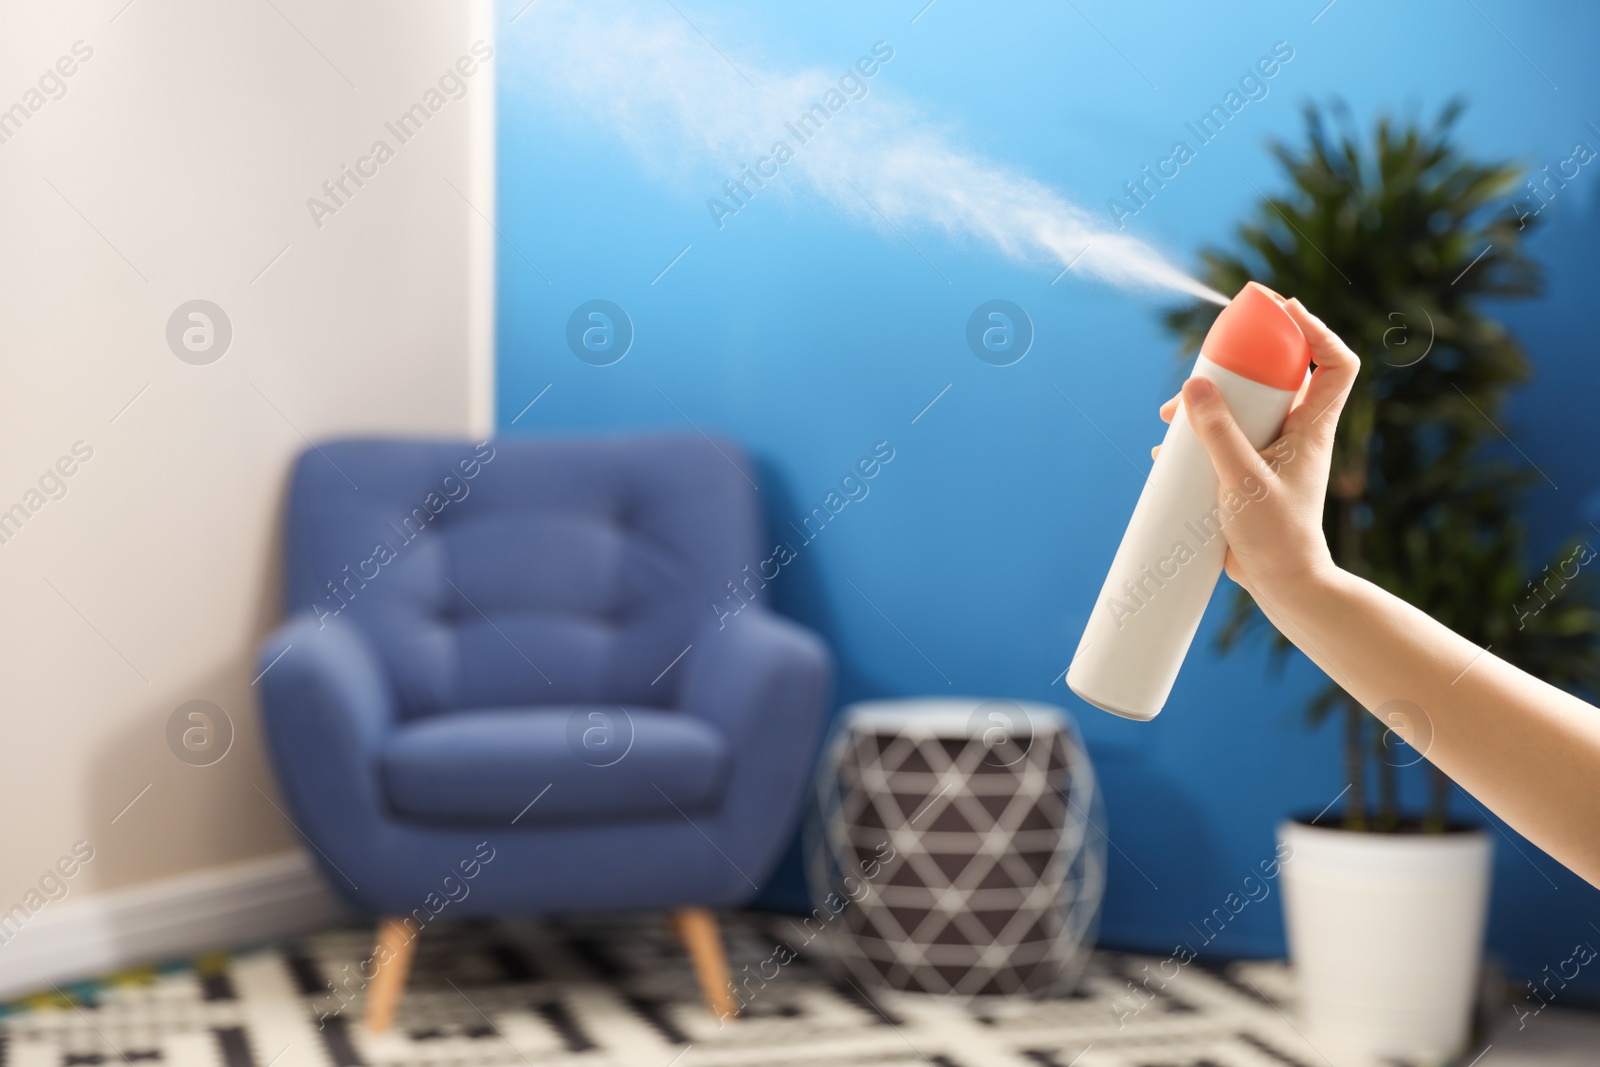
[809, 337]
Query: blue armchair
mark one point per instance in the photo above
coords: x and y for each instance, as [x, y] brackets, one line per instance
[536, 676]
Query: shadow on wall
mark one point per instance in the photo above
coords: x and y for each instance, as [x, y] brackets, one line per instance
[1187, 853]
[798, 593]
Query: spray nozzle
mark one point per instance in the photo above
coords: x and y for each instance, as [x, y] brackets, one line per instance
[1256, 338]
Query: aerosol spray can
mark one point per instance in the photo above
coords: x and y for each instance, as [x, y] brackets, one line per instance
[1171, 555]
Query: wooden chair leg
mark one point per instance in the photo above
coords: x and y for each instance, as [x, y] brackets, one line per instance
[395, 944]
[697, 927]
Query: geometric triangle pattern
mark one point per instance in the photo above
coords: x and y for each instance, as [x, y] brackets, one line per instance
[950, 851]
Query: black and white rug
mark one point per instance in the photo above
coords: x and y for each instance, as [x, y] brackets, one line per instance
[622, 994]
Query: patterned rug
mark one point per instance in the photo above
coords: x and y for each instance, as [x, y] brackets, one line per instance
[622, 994]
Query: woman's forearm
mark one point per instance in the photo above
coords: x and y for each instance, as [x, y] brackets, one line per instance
[1519, 745]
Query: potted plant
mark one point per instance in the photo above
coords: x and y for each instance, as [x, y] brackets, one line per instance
[1396, 239]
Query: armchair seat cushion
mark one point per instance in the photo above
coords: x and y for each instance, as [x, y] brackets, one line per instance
[601, 763]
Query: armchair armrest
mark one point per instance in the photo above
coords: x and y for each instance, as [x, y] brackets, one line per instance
[768, 685]
[757, 670]
[326, 708]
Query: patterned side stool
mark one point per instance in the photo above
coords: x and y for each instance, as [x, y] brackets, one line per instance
[952, 850]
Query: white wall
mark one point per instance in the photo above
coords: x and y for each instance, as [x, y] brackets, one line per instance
[177, 165]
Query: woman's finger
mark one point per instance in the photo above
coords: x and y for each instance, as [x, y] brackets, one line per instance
[1230, 452]
[1169, 409]
[1300, 394]
[1330, 384]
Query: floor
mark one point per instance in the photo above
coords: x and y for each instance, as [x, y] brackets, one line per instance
[593, 995]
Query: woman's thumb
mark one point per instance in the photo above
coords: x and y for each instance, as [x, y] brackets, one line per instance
[1224, 442]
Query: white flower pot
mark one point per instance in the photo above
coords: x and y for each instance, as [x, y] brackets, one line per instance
[1385, 938]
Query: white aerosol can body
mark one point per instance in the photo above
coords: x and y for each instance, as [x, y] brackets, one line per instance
[1171, 555]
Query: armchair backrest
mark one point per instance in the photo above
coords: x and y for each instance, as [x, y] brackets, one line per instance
[522, 571]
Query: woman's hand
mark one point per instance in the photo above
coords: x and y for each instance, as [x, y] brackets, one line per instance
[1276, 540]
[1525, 749]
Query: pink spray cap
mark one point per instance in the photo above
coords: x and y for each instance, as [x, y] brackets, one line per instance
[1255, 338]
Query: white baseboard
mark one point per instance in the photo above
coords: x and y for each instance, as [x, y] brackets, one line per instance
[218, 908]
